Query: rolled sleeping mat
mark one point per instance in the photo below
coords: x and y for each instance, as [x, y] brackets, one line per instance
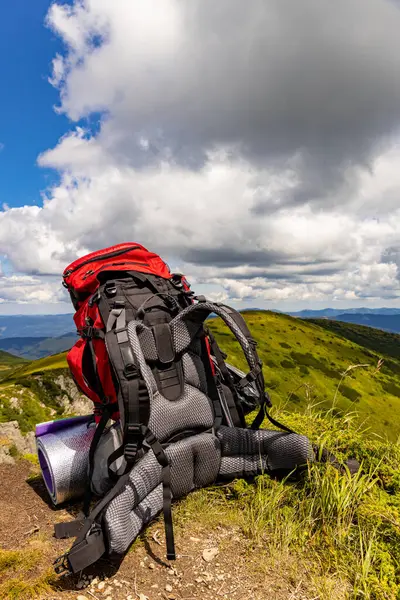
[63, 453]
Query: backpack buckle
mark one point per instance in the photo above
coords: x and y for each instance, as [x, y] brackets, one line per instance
[61, 565]
[110, 289]
[130, 371]
[133, 435]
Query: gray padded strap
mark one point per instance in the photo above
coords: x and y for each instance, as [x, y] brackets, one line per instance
[181, 334]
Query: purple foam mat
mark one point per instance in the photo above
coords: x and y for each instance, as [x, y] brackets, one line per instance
[53, 426]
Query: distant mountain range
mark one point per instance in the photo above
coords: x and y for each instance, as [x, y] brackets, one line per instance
[38, 326]
[336, 312]
[33, 348]
[37, 336]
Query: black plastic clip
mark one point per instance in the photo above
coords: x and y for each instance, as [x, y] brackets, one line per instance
[61, 565]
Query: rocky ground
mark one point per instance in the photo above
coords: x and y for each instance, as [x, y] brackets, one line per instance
[215, 563]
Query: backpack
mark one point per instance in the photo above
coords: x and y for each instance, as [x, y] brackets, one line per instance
[169, 411]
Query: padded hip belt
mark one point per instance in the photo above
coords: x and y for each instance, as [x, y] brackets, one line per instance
[197, 462]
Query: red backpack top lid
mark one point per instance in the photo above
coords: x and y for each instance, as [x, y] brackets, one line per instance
[81, 276]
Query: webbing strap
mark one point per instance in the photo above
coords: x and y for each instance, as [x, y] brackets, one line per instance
[106, 414]
[228, 380]
[167, 493]
[89, 546]
[264, 413]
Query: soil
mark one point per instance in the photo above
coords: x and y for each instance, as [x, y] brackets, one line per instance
[233, 572]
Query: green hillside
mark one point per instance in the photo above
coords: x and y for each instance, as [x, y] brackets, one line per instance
[29, 394]
[7, 360]
[304, 363]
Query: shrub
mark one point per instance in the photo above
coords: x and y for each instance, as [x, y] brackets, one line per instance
[287, 364]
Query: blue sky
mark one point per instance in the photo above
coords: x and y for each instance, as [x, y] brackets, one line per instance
[28, 123]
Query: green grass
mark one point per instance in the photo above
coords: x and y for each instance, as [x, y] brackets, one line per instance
[32, 383]
[304, 362]
[23, 575]
[341, 532]
[10, 359]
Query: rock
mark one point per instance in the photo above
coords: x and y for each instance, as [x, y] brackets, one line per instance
[194, 539]
[101, 586]
[151, 566]
[168, 588]
[80, 405]
[82, 598]
[143, 597]
[209, 554]
[155, 586]
[11, 436]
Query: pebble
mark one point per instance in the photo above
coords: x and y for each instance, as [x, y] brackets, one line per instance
[101, 586]
[168, 588]
[209, 554]
[81, 598]
[151, 566]
[155, 586]
[80, 585]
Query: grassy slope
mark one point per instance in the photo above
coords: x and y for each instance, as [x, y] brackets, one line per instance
[333, 535]
[28, 393]
[303, 363]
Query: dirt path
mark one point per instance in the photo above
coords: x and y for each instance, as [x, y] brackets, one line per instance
[26, 522]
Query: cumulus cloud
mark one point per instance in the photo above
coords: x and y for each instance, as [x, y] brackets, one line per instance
[24, 289]
[253, 146]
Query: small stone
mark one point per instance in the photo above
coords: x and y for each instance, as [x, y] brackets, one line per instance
[143, 597]
[101, 586]
[130, 597]
[80, 585]
[171, 597]
[194, 539]
[155, 586]
[141, 563]
[95, 581]
[168, 588]
[109, 598]
[209, 554]
[81, 598]
[151, 566]
[198, 580]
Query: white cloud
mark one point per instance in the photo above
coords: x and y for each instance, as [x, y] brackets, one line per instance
[253, 147]
[24, 289]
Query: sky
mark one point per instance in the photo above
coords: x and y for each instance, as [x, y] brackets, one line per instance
[254, 146]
